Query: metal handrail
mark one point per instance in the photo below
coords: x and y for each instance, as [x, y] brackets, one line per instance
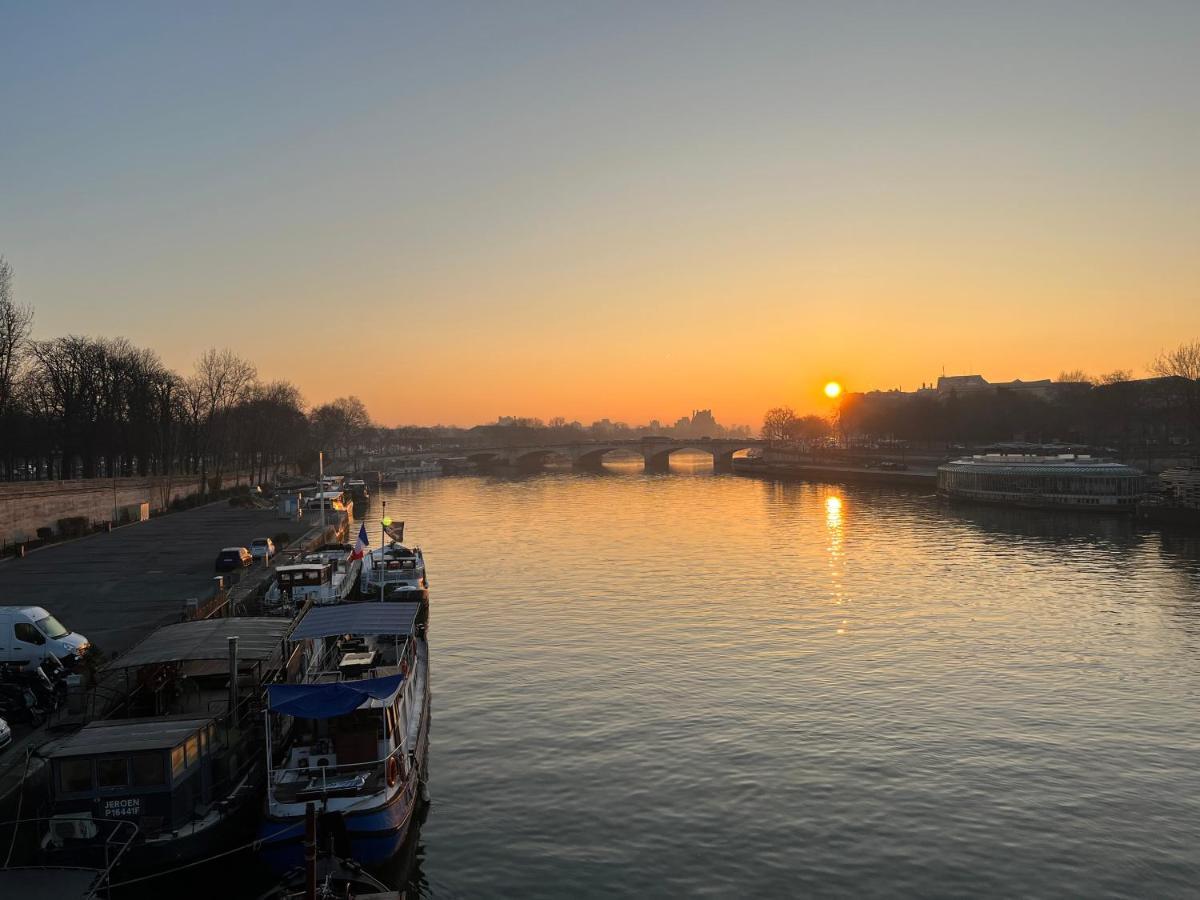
[398, 752]
[110, 864]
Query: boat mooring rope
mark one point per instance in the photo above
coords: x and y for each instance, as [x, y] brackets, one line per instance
[253, 845]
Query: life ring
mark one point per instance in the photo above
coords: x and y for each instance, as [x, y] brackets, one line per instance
[393, 771]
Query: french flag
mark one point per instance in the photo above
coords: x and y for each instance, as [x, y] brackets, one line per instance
[362, 543]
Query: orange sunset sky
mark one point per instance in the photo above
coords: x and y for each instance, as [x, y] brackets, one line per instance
[611, 210]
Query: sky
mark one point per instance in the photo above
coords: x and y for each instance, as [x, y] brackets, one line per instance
[457, 211]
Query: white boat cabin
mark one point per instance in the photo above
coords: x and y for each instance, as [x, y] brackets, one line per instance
[396, 572]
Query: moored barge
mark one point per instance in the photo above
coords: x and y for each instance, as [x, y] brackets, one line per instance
[1066, 481]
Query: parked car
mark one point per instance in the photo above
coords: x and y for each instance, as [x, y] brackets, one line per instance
[231, 559]
[262, 547]
[29, 636]
[5, 734]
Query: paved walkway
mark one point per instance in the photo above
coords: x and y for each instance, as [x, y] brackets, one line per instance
[115, 588]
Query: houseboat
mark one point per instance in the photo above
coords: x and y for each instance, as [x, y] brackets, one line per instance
[335, 502]
[394, 572]
[324, 582]
[1063, 481]
[411, 467]
[358, 491]
[352, 737]
[178, 757]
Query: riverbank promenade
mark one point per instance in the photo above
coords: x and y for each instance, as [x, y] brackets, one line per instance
[116, 587]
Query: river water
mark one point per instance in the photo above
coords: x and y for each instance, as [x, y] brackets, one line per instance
[707, 685]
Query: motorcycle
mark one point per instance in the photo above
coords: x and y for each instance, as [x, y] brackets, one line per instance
[19, 704]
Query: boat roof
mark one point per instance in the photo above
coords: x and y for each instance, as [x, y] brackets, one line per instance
[258, 638]
[304, 567]
[129, 735]
[1011, 464]
[356, 618]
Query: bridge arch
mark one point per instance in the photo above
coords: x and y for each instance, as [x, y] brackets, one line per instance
[659, 460]
[592, 458]
[483, 457]
[532, 460]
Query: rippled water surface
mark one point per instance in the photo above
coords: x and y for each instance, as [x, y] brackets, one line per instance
[690, 684]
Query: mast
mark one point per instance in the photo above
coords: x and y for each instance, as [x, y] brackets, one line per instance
[383, 524]
[321, 489]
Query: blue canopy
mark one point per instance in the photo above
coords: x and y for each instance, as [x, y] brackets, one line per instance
[326, 701]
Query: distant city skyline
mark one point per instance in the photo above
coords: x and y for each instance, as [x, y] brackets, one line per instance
[617, 210]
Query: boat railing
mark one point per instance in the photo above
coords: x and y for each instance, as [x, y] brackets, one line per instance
[302, 783]
[397, 572]
[117, 839]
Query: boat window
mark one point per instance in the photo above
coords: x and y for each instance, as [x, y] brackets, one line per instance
[176, 761]
[75, 775]
[147, 769]
[112, 772]
[193, 749]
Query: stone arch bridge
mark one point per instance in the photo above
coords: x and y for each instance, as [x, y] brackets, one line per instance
[589, 455]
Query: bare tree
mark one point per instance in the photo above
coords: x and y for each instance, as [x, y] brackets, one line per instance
[15, 324]
[779, 423]
[811, 427]
[1116, 376]
[1075, 376]
[342, 424]
[220, 381]
[1183, 362]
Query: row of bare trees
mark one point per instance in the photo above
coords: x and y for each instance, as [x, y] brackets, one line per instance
[84, 407]
[782, 424]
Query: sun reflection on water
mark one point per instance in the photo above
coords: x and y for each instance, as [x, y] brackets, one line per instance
[833, 524]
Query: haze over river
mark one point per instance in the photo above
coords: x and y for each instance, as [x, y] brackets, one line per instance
[690, 684]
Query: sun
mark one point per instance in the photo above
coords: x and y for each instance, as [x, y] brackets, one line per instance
[833, 389]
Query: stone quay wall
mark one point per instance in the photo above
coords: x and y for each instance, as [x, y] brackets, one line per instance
[26, 506]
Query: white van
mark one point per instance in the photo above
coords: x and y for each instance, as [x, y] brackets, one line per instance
[29, 634]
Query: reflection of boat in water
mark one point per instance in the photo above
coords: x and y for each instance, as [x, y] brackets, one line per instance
[1066, 481]
[353, 737]
[185, 768]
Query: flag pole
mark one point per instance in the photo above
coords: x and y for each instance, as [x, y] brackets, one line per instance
[382, 542]
[321, 489]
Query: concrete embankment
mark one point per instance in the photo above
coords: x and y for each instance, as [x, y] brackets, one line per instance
[116, 587]
[794, 471]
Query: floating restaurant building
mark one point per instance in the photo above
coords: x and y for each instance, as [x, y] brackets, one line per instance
[1066, 481]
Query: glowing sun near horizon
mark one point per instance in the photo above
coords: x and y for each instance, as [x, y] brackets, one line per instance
[833, 390]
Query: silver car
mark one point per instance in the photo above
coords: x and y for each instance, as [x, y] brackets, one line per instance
[261, 547]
